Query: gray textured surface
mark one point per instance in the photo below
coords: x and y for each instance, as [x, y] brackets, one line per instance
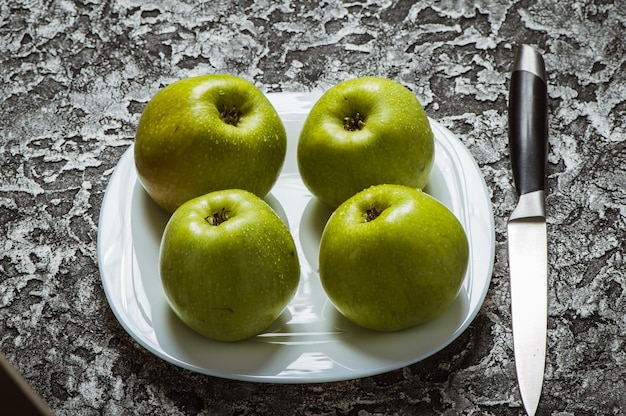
[76, 75]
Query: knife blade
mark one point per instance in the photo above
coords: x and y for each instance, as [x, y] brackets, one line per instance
[526, 228]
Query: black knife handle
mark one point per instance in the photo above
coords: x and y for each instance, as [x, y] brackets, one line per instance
[528, 122]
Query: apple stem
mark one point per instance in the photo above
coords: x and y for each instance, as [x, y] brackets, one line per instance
[230, 115]
[371, 214]
[218, 217]
[353, 123]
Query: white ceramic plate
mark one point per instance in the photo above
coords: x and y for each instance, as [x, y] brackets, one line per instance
[311, 341]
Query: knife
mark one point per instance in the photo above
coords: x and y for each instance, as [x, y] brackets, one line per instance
[527, 233]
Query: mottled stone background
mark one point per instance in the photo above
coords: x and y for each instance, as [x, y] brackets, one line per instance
[75, 76]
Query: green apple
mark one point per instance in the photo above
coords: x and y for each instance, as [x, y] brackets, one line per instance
[392, 257]
[228, 264]
[207, 133]
[362, 132]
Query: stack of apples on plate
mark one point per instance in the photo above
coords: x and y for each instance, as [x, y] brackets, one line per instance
[208, 149]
